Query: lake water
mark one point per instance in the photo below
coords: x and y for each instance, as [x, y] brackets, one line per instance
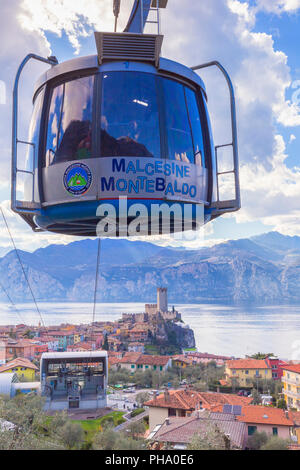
[219, 329]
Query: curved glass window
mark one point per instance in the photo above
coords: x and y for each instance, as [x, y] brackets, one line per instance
[129, 115]
[196, 127]
[183, 124]
[178, 129]
[69, 134]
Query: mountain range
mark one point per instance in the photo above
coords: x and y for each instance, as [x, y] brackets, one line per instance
[261, 269]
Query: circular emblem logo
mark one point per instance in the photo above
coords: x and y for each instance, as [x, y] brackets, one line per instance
[77, 179]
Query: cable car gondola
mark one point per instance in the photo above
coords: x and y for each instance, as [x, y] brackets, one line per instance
[122, 126]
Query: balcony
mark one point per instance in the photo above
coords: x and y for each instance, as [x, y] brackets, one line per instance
[289, 393]
[290, 381]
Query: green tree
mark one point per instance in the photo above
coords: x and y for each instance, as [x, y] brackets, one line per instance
[281, 403]
[234, 384]
[257, 440]
[142, 397]
[136, 429]
[210, 439]
[275, 443]
[105, 343]
[105, 440]
[125, 443]
[256, 398]
[29, 334]
[260, 355]
[110, 440]
[33, 430]
[120, 376]
[72, 435]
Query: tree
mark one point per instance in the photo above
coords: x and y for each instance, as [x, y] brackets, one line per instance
[200, 386]
[256, 398]
[136, 429]
[120, 376]
[234, 383]
[275, 443]
[12, 334]
[142, 397]
[105, 440]
[72, 435]
[110, 440]
[257, 440]
[29, 334]
[32, 428]
[125, 443]
[210, 439]
[260, 355]
[105, 343]
[281, 403]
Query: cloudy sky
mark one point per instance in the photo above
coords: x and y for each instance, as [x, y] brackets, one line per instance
[256, 40]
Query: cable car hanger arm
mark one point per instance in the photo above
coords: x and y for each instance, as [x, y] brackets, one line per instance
[15, 115]
[234, 143]
[140, 12]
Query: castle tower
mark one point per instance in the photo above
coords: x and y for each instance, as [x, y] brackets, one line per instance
[162, 299]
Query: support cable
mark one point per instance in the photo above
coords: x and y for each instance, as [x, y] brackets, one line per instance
[96, 283]
[23, 269]
[12, 302]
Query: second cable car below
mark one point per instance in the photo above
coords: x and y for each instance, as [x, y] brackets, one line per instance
[124, 129]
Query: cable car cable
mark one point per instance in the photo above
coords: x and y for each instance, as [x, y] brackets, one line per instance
[23, 269]
[96, 283]
[12, 302]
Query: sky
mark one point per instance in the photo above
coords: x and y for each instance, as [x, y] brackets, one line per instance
[256, 40]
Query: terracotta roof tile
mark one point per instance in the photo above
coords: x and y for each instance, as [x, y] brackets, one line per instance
[295, 416]
[247, 364]
[18, 362]
[264, 415]
[292, 368]
[153, 360]
[189, 400]
[181, 430]
[130, 358]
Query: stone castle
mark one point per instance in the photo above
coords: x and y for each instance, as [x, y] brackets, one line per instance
[154, 311]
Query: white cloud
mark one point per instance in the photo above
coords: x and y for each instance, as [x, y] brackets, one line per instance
[272, 196]
[278, 6]
[270, 190]
[292, 138]
[77, 18]
[24, 237]
[16, 44]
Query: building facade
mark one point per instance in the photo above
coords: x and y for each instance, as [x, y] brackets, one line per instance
[291, 385]
[22, 367]
[245, 372]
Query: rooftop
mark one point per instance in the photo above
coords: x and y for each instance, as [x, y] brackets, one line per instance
[265, 415]
[292, 368]
[190, 400]
[248, 364]
[74, 355]
[181, 430]
[18, 362]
